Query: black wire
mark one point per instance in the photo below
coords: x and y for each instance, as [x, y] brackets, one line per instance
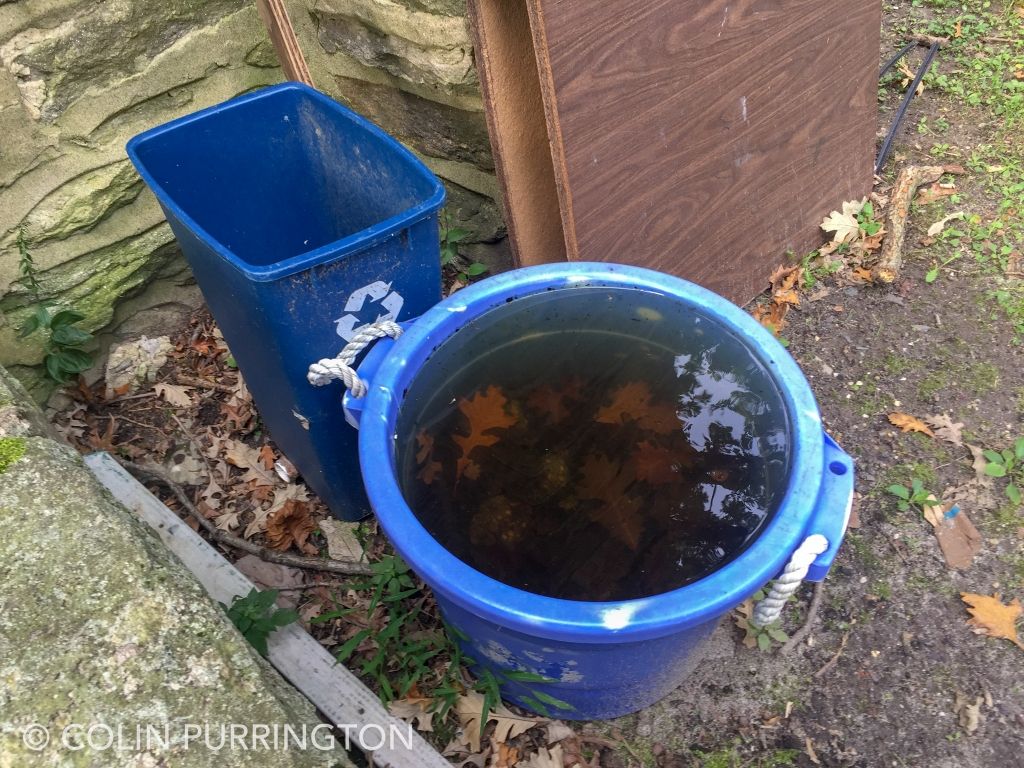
[883, 152]
[899, 55]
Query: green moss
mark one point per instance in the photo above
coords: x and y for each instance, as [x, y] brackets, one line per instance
[731, 758]
[11, 449]
[982, 378]
[1007, 519]
[897, 364]
[933, 383]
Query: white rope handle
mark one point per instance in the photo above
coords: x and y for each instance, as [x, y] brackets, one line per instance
[768, 610]
[330, 368]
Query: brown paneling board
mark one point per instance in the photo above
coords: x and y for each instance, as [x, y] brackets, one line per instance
[286, 44]
[706, 139]
[517, 128]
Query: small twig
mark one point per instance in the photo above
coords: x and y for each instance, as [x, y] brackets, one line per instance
[122, 417]
[227, 539]
[835, 658]
[125, 398]
[190, 381]
[812, 613]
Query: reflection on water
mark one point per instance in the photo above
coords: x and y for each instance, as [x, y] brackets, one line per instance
[594, 444]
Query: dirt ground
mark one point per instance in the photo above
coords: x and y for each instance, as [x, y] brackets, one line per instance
[890, 662]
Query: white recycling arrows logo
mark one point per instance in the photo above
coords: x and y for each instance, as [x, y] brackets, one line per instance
[389, 302]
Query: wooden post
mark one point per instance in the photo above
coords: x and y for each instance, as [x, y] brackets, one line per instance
[282, 35]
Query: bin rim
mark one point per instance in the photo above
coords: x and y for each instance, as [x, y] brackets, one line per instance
[566, 620]
[325, 254]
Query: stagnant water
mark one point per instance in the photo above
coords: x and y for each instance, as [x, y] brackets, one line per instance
[594, 443]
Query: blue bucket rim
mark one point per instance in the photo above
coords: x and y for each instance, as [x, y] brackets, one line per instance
[567, 620]
[325, 254]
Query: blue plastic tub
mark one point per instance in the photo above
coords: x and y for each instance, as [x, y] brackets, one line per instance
[605, 659]
[301, 221]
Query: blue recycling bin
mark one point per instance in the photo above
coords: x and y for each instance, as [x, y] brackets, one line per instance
[302, 222]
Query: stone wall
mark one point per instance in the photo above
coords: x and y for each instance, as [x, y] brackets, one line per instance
[78, 78]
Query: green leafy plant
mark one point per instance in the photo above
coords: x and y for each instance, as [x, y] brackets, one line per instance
[403, 650]
[866, 220]
[817, 267]
[450, 257]
[256, 617]
[756, 636]
[1008, 463]
[915, 495]
[64, 356]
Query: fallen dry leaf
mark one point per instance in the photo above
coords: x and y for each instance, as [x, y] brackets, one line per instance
[502, 755]
[414, 710]
[270, 575]
[909, 423]
[843, 224]
[742, 615]
[968, 713]
[174, 394]
[544, 758]
[342, 542]
[470, 706]
[227, 521]
[291, 525]
[936, 229]
[557, 731]
[990, 616]
[294, 492]
[946, 429]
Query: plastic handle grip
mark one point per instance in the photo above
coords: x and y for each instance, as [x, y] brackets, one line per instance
[832, 512]
[353, 406]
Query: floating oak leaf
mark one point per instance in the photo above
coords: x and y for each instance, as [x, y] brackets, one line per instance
[622, 519]
[603, 479]
[550, 402]
[654, 464]
[484, 411]
[632, 403]
[429, 468]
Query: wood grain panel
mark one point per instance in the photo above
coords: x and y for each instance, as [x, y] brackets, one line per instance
[706, 139]
[518, 132]
[286, 44]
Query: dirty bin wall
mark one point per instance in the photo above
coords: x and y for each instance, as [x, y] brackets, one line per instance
[77, 80]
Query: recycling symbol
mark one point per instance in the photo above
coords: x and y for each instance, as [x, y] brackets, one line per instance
[366, 305]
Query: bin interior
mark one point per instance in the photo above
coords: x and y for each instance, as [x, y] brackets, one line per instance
[278, 176]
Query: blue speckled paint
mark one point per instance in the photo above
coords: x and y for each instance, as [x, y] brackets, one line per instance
[604, 659]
